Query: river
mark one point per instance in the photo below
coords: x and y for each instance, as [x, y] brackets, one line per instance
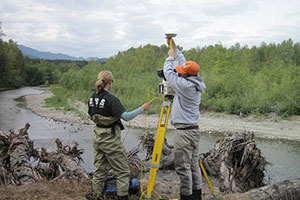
[284, 155]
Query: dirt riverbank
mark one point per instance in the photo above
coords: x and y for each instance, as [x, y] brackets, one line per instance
[263, 126]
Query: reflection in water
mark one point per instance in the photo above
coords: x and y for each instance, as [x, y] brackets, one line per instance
[283, 155]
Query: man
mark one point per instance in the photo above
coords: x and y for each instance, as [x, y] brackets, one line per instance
[185, 116]
[106, 111]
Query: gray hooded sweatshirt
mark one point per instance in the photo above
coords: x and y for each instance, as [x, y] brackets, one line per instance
[185, 108]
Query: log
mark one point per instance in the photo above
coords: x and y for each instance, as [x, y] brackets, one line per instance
[5, 177]
[20, 151]
[288, 189]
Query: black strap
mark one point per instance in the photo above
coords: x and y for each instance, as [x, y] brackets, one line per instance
[102, 126]
[188, 128]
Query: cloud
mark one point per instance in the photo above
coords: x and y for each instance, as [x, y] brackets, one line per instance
[227, 8]
[102, 28]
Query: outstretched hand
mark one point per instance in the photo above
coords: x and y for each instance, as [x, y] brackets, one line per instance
[146, 106]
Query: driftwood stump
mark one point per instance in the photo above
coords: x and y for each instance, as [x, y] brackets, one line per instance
[237, 161]
[17, 152]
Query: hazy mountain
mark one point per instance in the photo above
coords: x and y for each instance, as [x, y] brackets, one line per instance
[32, 53]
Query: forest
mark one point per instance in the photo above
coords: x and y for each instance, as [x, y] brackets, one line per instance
[240, 80]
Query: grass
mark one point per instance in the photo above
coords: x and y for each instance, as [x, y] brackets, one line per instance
[60, 100]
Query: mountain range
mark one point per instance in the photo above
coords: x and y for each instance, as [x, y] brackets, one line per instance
[35, 54]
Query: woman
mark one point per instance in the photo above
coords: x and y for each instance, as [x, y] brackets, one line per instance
[107, 111]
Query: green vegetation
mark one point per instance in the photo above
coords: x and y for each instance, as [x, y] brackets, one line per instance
[60, 98]
[240, 80]
[256, 80]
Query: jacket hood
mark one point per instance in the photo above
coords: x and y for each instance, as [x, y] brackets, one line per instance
[198, 81]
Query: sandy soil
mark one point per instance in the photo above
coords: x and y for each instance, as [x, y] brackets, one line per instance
[263, 126]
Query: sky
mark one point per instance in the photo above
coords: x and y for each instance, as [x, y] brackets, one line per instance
[102, 28]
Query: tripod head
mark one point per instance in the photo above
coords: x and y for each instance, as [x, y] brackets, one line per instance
[163, 87]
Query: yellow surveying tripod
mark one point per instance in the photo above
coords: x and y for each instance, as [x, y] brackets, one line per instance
[162, 127]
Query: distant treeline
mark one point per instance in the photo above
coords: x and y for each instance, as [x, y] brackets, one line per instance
[239, 79]
[17, 70]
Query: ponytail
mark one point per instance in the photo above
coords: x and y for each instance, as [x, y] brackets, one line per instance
[103, 78]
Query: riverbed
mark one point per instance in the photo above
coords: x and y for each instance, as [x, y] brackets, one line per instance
[284, 155]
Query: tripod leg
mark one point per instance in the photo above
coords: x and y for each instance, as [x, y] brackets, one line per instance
[158, 146]
[207, 179]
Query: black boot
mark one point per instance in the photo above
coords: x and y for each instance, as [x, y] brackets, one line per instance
[197, 195]
[184, 197]
[123, 197]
